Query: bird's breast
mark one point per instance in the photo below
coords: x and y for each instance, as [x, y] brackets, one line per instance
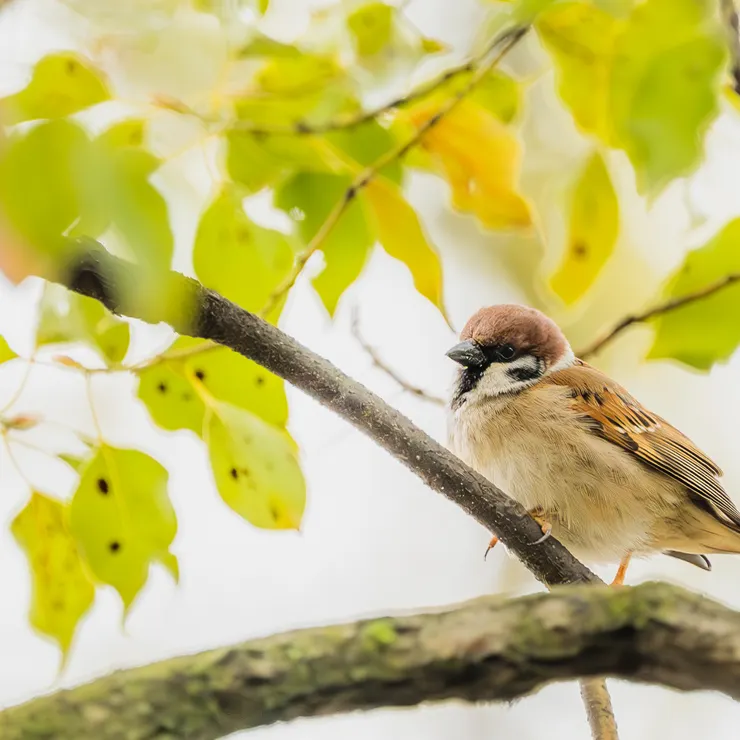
[538, 451]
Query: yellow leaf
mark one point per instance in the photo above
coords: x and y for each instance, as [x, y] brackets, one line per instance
[6, 353]
[255, 467]
[122, 518]
[593, 230]
[581, 39]
[402, 236]
[480, 158]
[61, 589]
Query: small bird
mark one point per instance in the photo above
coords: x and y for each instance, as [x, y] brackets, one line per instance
[605, 476]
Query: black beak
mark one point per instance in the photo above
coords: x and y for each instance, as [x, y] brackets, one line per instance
[467, 354]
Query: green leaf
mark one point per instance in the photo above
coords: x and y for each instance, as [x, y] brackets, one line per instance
[263, 6]
[593, 231]
[6, 353]
[366, 144]
[67, 317]
[29, 186]
[309, 198]
[255, 468]
[400, 232]
[665, 87]
[290, 75]
[61, 589]
[249, 163]
[172, 388]
[580, 38]
[122, 519]
[233, 255]
[169, 395]
[371, 27]
[705, 331]
[61, 84]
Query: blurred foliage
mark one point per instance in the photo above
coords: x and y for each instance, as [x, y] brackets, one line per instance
[287, 119]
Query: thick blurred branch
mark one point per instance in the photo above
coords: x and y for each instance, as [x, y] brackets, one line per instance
[488, 649]
[506, 41]
[663, 308]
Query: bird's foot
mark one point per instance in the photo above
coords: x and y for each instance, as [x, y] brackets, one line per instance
[622, 571]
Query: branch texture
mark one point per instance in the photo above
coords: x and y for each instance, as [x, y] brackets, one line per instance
[488, 649]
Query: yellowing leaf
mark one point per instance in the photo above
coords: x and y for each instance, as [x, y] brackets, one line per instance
[592, 234]
[480, 158]
[371, 26]
[309, 198]
[61, 589]
[399, 231]
[171, 389]
[581, 39]
[241, 260]
[255, 468]
[705, 331]
[665, 87]
[122, 518]
[6, 353]
[61, 84]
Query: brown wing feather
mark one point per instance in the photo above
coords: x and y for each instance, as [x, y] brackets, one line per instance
[622, 420]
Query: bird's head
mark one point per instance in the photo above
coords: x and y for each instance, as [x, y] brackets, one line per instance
[505, 349]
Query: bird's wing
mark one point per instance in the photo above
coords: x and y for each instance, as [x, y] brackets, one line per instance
[622, 420]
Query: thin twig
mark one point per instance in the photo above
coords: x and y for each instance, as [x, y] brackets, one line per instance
[509, 40]
[659, 310]
[340, 123]
[389, 371]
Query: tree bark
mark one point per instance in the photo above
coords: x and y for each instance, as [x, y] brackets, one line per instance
[485, 650]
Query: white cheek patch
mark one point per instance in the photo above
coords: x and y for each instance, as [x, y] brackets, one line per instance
[501, 377]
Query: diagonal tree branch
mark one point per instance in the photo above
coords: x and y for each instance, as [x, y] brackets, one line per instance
[94, 272]
[667, 307]
[488, 649]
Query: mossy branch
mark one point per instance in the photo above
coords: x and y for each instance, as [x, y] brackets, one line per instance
[485, 650]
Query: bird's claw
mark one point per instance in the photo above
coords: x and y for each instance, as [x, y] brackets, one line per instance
[491, 545]
[546, 532]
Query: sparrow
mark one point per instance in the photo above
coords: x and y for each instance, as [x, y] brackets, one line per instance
[598, 471]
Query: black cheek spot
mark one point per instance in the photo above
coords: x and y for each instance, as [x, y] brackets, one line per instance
[162, 387]
[114, 546]
[200, 375]
[103, 486]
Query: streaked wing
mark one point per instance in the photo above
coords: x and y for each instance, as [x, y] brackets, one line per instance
[622, 420]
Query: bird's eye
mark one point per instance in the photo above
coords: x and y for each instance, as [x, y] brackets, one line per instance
[506, 352]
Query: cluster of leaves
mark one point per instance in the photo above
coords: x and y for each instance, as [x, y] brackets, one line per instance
[644, 78]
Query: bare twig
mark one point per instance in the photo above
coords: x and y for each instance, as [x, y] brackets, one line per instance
[389, 371]
[304, 128]
[507, 41]
[663, 308]
[489, 649]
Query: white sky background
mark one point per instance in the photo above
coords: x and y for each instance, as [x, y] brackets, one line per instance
[374, 539]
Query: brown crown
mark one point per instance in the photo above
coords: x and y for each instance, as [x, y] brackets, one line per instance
[527, 329]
